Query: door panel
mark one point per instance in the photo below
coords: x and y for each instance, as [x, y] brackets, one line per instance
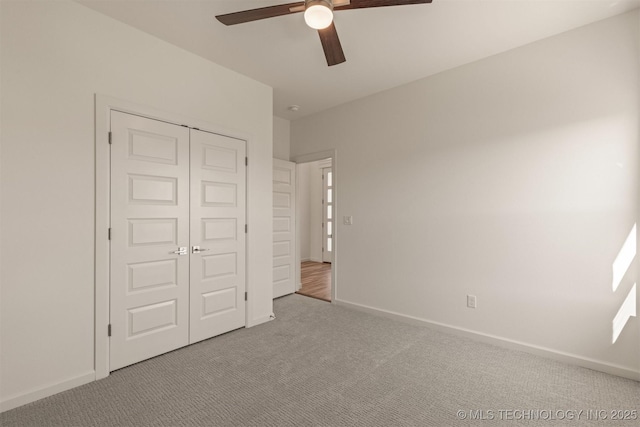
[149, 222]
[218, 176]
[284, 196]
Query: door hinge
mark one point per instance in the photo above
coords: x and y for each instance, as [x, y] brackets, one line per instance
[246, 228]
[246, 161]
[109, 234]
[109, 137]
[322, 249]
[109, 330]
[245, 296]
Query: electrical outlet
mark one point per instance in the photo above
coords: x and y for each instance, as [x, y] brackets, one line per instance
[471, 301]
[347, 220]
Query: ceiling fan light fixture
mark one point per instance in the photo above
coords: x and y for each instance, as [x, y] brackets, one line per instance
[318, 14]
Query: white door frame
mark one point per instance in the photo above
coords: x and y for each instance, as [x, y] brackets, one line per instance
[313, 157]
[103, 107]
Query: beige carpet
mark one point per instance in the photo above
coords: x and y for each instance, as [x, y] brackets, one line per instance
[319, 364]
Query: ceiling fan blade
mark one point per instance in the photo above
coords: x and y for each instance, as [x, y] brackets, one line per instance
[260, 13]
[331, 45]
[362, 4]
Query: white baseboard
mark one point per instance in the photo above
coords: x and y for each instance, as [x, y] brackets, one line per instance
[315, 259]
[573, 359]
[46, 391]
[305, 259]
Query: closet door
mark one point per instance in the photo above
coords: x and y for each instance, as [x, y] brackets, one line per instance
[149, 289]
[218, 203]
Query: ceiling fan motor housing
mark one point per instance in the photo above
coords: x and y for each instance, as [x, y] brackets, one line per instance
[325, 3]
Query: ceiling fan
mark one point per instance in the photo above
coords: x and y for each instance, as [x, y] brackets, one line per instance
[318, 14]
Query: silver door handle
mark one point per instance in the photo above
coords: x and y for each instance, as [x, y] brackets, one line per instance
[197, 250]
[181, 251]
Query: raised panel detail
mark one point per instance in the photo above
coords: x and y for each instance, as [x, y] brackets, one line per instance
[219, 194]
[219, 228]
[150, 147]
[143, 232]
[219, 301]
[281, 224]
[219, 158]
[152, 190]
[281, 200]
[216, 266]
[152, 318]
[281, 249]
[281, 273]
[281, 176]
[152, 274]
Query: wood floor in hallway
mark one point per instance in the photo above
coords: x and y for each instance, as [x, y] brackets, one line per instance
[316, 280]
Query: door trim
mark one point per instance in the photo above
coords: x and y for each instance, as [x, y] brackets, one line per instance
[312, 157]
[103, 106]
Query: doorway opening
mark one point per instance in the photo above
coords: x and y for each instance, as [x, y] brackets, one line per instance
[316, 280]
[316, 227]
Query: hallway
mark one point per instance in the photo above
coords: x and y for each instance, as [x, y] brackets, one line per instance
[316, 280]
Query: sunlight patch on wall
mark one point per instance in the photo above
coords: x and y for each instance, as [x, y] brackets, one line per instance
[627, 310]
[624, 259]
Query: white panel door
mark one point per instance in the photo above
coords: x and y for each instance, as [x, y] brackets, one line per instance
[284, 211]
[149, 311]
[327, 214]
[218, 200]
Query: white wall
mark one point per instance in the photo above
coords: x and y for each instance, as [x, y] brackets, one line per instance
[514, 178]
[281, 138]
[303, 201]
[55, 56]
[315, 210]
[310, 210]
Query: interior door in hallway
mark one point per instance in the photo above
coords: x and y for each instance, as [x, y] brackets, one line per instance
[149, 271]
[284, 220]
[218, 200]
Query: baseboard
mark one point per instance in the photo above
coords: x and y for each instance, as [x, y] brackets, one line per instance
[46, 391]
[305, 259]
[573, 359]
[315, 259]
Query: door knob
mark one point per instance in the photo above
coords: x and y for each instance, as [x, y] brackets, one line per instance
[197, 249]
[181, 251]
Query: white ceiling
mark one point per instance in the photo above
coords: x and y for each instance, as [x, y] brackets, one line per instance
[385, 47]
